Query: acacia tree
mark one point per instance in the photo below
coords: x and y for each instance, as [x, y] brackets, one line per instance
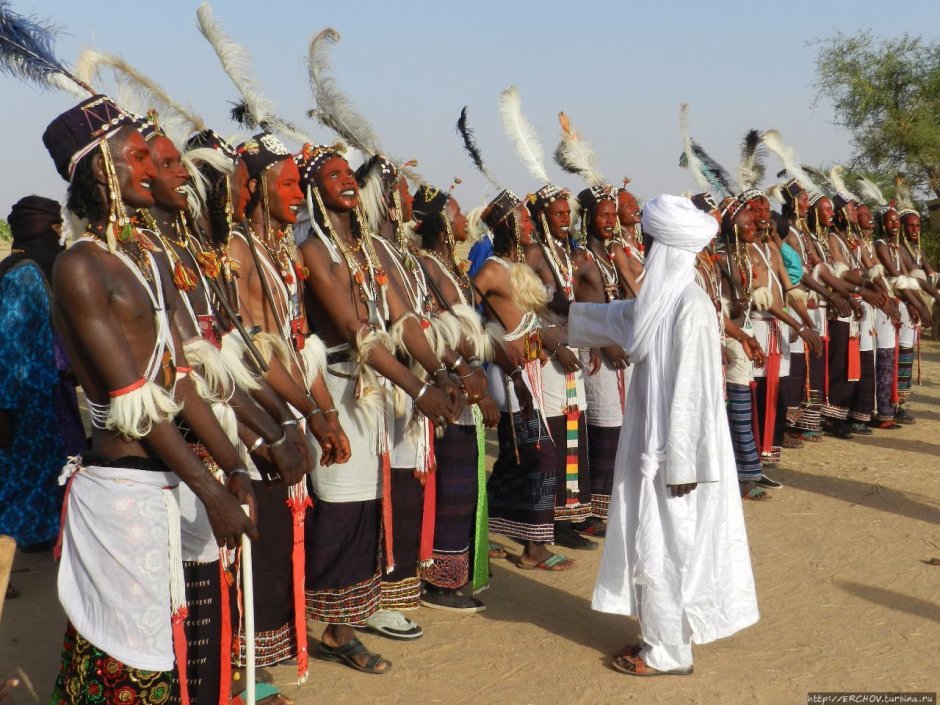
[887, 94]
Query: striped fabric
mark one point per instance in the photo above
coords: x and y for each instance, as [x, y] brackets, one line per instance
[571, 438]
[741, 421]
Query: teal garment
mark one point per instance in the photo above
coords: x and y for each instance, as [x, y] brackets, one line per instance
[793, 263]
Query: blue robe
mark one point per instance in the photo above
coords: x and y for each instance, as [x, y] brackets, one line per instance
[30, 497]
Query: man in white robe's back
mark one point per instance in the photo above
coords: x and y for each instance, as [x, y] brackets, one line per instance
[676, 553]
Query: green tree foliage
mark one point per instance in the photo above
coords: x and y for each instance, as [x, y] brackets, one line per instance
[5, 231]
[887, 94]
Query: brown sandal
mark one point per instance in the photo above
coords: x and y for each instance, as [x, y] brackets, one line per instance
[636, 666]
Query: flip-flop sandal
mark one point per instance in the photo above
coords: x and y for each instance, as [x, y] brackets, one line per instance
[553, 563]
[765, 481]
[393, 625]
[263, 691]
[757, 494]
[635, 666]
[346, 654]
[497, 552]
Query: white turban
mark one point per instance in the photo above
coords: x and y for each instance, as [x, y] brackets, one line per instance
[679, 231]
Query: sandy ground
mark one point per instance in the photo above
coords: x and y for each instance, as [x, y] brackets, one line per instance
[847, 599]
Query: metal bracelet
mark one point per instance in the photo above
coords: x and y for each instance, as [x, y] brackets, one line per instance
[330, 411]
[279, 442]
[289, 422]
[459, 361]
[256, 445]
[422, 392]
[238, 471]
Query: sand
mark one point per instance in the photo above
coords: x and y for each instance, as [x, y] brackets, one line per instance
[848, 602]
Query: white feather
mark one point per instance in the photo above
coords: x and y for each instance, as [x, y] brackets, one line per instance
[789, 158]
[837, 180]
[870, 191]
[577, 155]
[523, 136]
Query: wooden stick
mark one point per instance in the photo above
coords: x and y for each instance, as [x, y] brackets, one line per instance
[7, 549]
[248, 597]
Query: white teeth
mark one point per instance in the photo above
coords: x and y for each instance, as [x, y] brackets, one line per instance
[145, 184]
[181, 189]
[348, 193]
[294, 208]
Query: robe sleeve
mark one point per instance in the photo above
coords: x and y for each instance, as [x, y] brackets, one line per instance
[27, 365]
[692, 439]
[594, 325]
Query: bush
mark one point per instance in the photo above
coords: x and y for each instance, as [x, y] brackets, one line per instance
[5, 235]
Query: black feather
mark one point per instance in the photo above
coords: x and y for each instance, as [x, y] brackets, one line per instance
[241, 114]
[27, 50]
[561, 159]
[715, 172]
[469, 143]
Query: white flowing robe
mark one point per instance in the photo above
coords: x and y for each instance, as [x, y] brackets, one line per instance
[680, 564]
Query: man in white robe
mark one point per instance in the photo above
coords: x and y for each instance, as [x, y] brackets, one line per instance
[676, 554]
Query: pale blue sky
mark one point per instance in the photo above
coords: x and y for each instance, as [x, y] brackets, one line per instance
[619, 69]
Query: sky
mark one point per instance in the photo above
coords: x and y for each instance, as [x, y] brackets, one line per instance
[619, 69]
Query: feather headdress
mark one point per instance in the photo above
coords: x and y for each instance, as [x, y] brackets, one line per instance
[819, 176]
[707, 173]
[236, 61]
[575, 155]
[902, 194]
[837, 179]
[470, 144]
[140, 93]
[523, 136]
[27, 52]
[751, 169]
[334, 108]
[870, 191]
[788, 157]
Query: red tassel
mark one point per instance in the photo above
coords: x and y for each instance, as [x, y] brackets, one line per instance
[225, 666]
[387, 511]
[426, 548]
[854, 368]
[298, 510]
[754, 420]
[622, 389]
[773, 386]
[179, 650]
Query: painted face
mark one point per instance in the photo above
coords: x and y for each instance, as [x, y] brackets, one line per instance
[168, 185]
[760, 208]
[458, 221]
[892, 223]
[627, 209]
[558, 217]
[605, 219]
[240, 193]
[134, 169]
[284, 194]
[337, 184]
[824, 212]
[406, 199]
[745, 225]
[526, 226]
[802, 204]
[865, 220]
[911, 225]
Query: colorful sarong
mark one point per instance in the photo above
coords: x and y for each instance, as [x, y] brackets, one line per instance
[89, 675]
[401, 589]
[841, 389]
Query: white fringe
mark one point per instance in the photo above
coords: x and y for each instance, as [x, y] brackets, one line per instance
[233, 354]
[177, 582]
[840, 269]
[371, 393]
[313, 355]
[472, 328]
[762, 297]
[135, 413]
[271, 345]
[797, 294]
[528, 292]
[204, 355]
